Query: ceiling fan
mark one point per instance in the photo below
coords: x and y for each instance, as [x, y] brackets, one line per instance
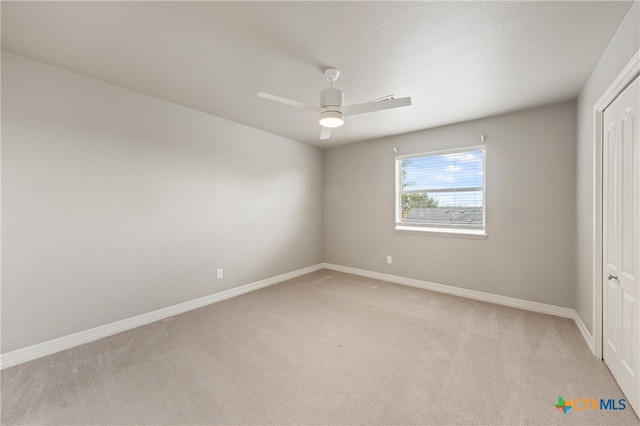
[332, 109]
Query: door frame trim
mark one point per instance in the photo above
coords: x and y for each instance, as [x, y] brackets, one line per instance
[626, 76]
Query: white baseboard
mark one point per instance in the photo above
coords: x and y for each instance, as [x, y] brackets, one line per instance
[477, 295]
[457, 291]
[20, 356]
[588, 338]
[29, 353]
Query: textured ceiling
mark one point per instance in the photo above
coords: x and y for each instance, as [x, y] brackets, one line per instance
[457, 60]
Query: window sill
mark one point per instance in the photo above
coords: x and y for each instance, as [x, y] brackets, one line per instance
[442, 232]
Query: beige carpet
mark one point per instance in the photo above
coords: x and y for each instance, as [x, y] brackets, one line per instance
[326, 348]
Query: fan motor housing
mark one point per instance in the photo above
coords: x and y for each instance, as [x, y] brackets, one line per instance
[332, 99]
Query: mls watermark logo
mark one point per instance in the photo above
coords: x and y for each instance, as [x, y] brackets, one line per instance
[590, 404]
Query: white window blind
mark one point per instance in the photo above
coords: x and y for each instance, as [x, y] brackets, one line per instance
[441, 190]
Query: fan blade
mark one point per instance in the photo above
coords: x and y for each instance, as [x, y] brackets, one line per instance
[289, 102]
[376, 106]
[385, 98]
[325, 133]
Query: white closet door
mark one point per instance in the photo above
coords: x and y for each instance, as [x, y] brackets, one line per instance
[621, 241]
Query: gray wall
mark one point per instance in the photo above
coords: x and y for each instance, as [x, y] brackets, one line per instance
[530, 177]
[621, 49]
[116, 204]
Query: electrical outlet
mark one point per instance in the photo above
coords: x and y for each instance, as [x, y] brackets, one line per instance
[219, 273]
[389, 259]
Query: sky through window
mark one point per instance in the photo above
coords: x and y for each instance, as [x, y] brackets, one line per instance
[448, 178]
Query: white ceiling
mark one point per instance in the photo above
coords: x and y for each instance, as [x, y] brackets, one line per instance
[457, 60]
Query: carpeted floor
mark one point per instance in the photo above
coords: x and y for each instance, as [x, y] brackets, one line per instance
[325, 348]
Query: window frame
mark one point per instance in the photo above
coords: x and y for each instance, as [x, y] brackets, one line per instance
[399, 227]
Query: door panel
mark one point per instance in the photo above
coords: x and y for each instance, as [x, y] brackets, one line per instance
[621, 241]
[627, 314]
[610, 213]
[611, 299]
[629, 227]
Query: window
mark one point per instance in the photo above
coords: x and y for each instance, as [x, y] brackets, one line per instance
[442, 192]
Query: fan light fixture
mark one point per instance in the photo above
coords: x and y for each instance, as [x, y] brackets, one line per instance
[331, 119]
[332, 109]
